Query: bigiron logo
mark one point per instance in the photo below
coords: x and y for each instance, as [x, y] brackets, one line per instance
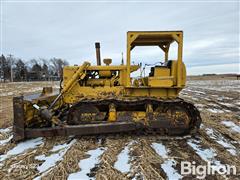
[201, 171]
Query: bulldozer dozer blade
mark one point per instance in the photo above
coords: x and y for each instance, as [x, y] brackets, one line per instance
[87, 129]
[92, 129]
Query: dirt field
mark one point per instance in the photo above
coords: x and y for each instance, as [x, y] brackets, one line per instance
[128, 156]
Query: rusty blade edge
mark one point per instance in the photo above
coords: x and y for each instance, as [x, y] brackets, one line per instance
[91, 129]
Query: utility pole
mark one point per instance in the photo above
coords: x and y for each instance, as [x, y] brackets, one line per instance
[11, 63]
[2, 71]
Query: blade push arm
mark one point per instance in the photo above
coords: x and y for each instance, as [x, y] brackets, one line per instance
[79, 74]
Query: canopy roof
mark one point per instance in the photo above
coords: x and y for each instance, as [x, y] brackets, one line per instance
[153, 38]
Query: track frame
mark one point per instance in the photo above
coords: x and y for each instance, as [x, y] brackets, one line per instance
[103, 127]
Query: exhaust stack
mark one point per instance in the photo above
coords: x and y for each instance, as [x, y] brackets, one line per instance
[98, 56]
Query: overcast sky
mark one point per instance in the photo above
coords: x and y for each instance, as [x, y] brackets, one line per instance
[68, 30]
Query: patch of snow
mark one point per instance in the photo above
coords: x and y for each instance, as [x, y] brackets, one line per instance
[60, 147]
[5, 141]
[205, 154]
[171, 173]
[237, 103]
[195, 99]
[200, 105]
[51, 160]
[221, 140]
[224, 98]
[207, 99]
[208, 155]
[5, 130]
[232, 125]
[22, 147]
[34, 89]
[138, 176]
[216, 85]
[227, 104]
[214, 110]
[160, 149]
[198, 92]
[87, 164]
[168, 164]
[187, 96]
[214, 105]
[122, 161]
[43, 174]
[6, 94]
[183, 93]
[228, 111]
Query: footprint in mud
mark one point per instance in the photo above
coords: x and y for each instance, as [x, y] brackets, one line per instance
[89, 166]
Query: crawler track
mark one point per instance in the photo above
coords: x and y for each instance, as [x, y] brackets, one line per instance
[171, 116]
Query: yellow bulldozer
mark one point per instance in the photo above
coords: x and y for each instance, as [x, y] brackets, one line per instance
[98, 99]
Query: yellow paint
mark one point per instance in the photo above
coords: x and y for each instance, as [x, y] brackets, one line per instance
[112, 113]
[113, 81]
[165, 81]
[159, 71]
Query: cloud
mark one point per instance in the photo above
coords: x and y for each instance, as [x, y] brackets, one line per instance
[69, 30]
[211, 69]
[202, 44]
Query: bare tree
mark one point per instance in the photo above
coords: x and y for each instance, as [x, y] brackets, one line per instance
[5, 68]
[34, 69]
[2, 62]
[20, 70]
[58, 65]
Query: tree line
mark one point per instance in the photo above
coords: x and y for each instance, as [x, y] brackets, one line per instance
[17, 69]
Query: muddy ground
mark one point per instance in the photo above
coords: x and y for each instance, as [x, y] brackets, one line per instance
[128, 156]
